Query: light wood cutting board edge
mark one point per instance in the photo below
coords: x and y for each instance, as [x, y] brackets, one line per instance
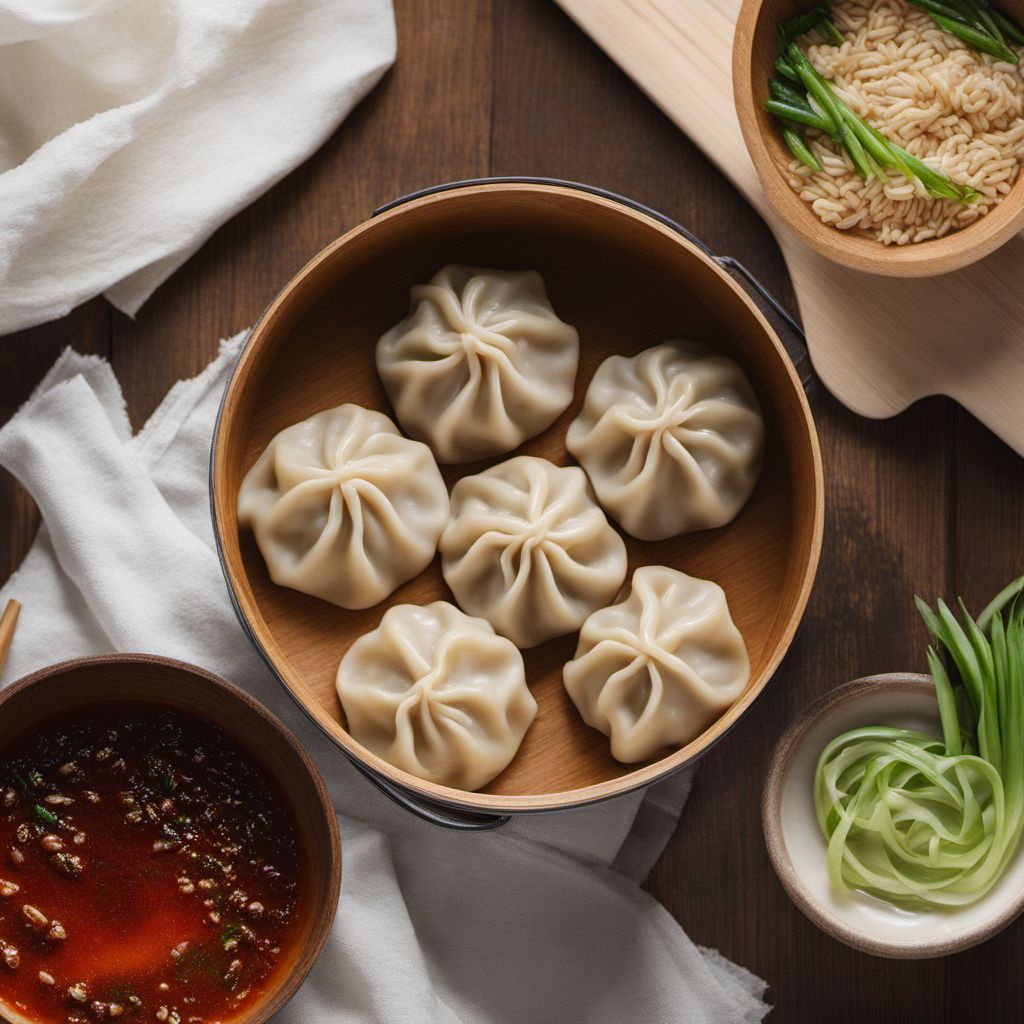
[878, 344]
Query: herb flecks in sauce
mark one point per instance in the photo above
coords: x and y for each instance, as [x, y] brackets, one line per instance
[147, 871]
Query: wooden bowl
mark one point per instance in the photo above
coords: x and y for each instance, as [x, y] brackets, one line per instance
[754, 52]
[147, 679]
[797, 848]
[626, 281]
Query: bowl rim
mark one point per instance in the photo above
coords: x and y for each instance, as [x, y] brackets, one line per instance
[323, 914]
[924, 259]
[366, 760]
[779, 763]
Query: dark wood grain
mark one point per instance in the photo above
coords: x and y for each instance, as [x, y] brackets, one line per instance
[927, 502]
[987, 532]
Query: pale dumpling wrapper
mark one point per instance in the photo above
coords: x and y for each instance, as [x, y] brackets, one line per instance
[657, 669]
[480, 364]
[528, 549]
[344, 507]
[438, 694]
[672, 439]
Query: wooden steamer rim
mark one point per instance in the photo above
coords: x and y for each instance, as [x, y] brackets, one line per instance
[541, 196]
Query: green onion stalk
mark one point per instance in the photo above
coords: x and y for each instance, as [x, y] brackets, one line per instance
[923, 821]
[801, 98]
[869, 149]
[976, 23]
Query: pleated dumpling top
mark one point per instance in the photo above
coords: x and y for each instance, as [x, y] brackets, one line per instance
[528, 549]
[480, 364]
[655, 670]
[343, 507]
[437, 694]
[672, 439]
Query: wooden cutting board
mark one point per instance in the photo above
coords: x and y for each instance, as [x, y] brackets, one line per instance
[877, 343]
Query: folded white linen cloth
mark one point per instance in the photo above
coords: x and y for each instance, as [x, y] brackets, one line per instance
[540, 921]
[131, 129]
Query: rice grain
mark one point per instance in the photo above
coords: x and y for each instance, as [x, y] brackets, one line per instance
[959, 111]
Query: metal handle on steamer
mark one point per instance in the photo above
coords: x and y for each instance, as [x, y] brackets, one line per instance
[436, 814]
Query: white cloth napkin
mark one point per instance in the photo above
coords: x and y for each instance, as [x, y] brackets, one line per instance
[540, 921]
[131, 129]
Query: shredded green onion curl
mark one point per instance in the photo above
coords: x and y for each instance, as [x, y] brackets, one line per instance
[925, 821]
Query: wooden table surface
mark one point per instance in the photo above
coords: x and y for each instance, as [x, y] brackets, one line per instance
[929, 502]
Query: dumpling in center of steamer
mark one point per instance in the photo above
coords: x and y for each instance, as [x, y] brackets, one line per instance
[528, 549]
[480, 364]
[672, 439]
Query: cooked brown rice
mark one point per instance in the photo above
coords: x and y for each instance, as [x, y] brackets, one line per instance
[960, 111]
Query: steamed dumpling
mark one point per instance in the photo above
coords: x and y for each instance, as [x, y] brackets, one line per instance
[343, 507]
[480, 364]
[528, 549]
[658, 668]
[672, 439]
[437, 694]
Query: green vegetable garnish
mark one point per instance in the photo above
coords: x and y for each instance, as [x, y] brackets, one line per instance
[45, 816]
[796, 114]
[785, 93]
[918, 820]
[805, 99]
[977, 24]
[1010, 29]
[815, 18]
[978, 39]
[799, 149]
[783, 68]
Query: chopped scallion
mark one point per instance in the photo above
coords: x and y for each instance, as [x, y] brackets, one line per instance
[45, 816]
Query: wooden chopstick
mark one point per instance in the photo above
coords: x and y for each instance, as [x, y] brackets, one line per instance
[7, 622]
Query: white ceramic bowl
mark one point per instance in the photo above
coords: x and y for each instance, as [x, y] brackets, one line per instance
[797, 847]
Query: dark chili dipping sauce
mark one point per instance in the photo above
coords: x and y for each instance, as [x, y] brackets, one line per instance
[148, 871]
